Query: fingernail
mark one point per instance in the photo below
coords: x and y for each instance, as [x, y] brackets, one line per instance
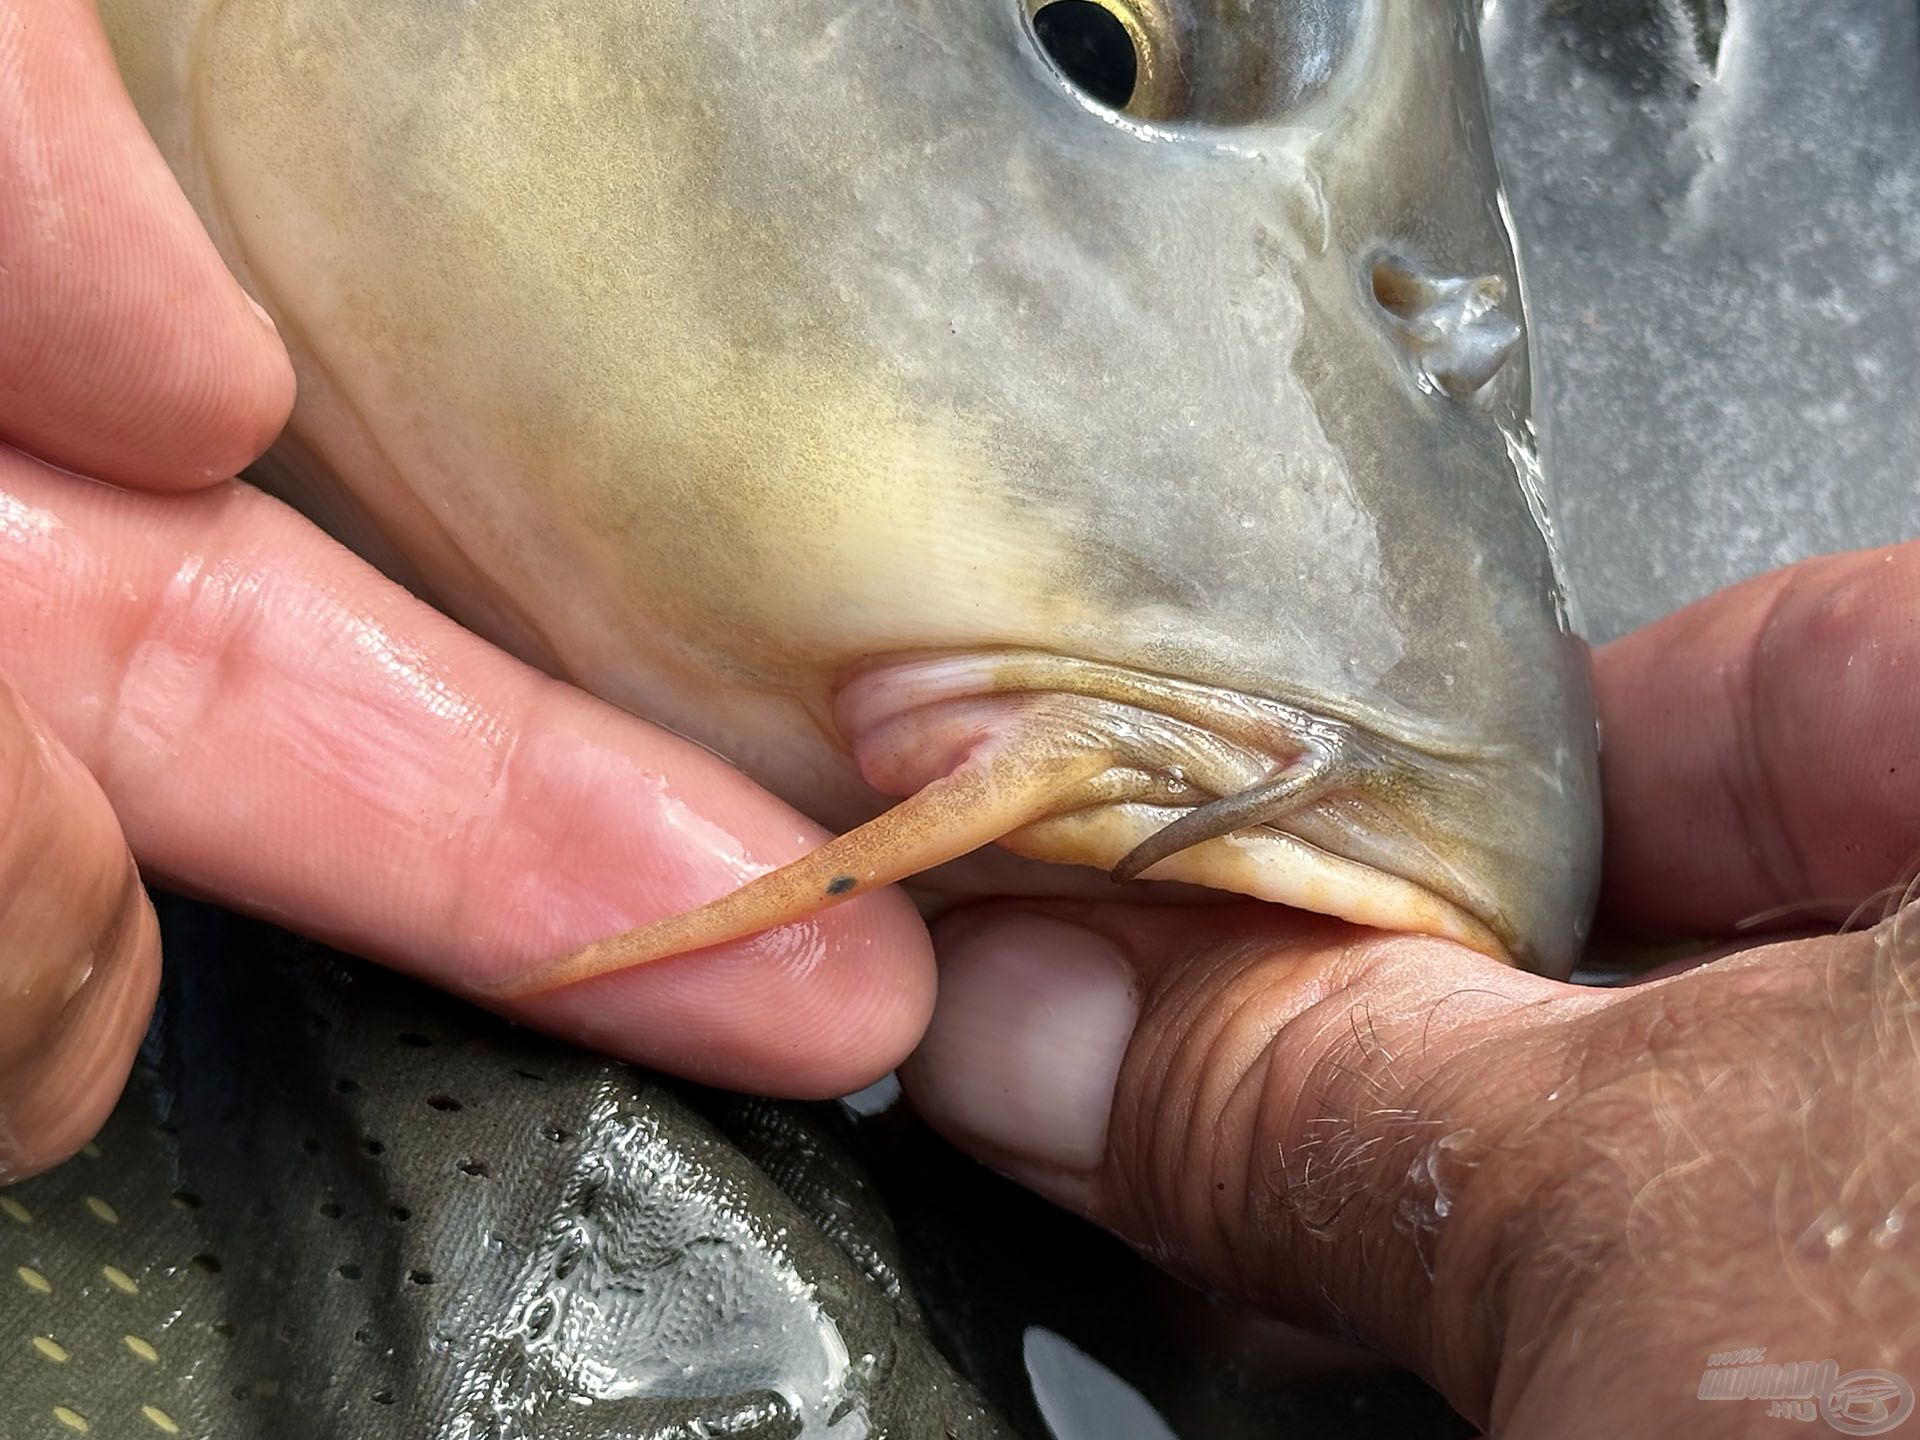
[1031, 1025]
[260, 311]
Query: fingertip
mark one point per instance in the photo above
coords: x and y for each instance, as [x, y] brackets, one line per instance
[79, 950]
[132, 355]
[232, 395]
[53, 1104]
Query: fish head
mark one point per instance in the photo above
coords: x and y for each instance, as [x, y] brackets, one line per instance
[1103, 423]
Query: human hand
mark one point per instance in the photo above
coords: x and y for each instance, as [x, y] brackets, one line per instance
[1554, 1202]
[198, 674]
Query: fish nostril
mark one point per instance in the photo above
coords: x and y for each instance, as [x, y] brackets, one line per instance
[1396, 288]
[1455, 328]
[1092, 47]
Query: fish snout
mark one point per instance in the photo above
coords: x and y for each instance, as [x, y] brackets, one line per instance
[1154, 777]
[1455, 329]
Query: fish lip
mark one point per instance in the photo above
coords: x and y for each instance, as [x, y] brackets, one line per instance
[878, 688]
[906, 717]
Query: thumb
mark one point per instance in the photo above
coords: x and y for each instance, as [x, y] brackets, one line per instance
[1295, 1116]
[1555, 1203]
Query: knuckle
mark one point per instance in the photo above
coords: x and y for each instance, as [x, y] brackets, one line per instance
[193, 634]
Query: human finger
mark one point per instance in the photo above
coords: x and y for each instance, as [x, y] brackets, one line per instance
[127, 351]
[79, 949]
[281, 728]
[1503, 1182]
[1760, 755]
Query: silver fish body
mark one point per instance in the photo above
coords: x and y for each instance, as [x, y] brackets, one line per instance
[879, 395]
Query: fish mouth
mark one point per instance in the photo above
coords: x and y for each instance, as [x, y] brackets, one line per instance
[1144, 775]
[1157, 778]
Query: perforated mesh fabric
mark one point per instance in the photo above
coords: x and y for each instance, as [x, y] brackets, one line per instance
[333, 1205]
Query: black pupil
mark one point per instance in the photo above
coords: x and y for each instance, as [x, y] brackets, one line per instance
[1091, 46]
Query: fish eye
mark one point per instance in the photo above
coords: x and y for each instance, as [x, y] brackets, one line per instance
[1091, 46]
[1196, 61]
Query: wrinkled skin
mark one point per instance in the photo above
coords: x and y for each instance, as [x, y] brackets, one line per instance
[732, 364]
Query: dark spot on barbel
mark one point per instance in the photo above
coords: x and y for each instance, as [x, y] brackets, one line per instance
[841, 884]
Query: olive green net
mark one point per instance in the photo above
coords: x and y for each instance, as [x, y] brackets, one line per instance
[333, 1205]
